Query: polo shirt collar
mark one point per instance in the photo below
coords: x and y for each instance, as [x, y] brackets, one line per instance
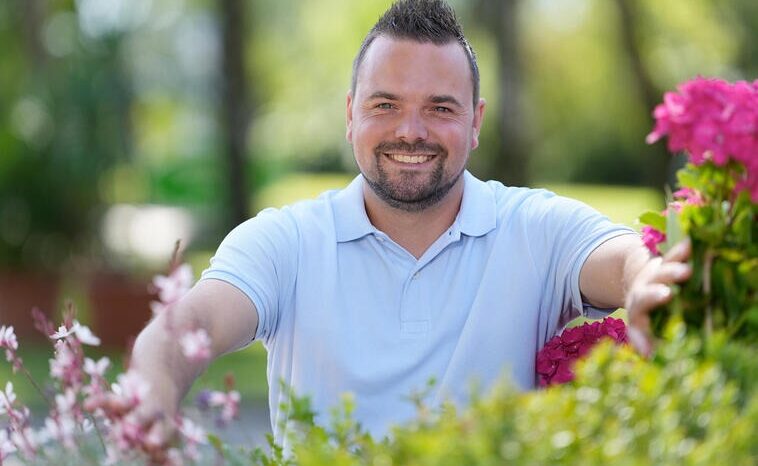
[476, 217]
[478, 213]
[350, 219]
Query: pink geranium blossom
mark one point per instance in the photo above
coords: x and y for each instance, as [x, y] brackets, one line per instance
[652, 238]
[556, 359]
[713, 120]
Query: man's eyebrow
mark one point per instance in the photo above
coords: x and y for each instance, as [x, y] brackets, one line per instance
[444, 99]
[383, 95]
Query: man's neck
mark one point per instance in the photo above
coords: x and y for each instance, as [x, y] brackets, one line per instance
[414, 231]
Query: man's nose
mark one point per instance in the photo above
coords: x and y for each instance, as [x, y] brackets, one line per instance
[411, 127]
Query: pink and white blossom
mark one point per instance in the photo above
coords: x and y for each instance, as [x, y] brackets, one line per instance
[8, 338]
[172, 288]
[7, 398]
[81, 332]
[7, 447]
[96, 369]
[228, 402]
[196, 345]
[131, 387]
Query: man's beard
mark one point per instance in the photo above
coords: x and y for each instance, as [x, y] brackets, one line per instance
[408, 192]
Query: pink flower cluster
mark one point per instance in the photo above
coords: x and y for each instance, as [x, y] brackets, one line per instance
[84, 403]
[556, 359]
[713, 120]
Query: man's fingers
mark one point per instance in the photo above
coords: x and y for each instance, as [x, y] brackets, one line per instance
[672, 272]
[680, 252]
[647, 298]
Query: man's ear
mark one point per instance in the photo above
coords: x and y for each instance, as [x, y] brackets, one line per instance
[349, 117]
[477, 123]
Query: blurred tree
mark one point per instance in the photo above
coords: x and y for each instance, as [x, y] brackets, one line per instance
[656, 157]
[235, 107]
[509, 149]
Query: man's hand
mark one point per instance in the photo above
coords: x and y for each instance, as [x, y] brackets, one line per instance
[651, 288]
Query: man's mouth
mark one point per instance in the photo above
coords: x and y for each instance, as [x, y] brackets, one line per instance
[410, 158]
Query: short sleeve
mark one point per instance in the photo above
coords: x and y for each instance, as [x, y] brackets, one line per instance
[566, 232]
[259, 257]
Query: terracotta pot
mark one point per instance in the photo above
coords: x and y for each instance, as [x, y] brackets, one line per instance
[120, 307]
[20, 291]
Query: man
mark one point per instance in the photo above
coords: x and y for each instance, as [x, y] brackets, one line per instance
[416, 270]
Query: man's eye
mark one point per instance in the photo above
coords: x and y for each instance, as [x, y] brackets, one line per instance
[442, 109]
[384, 105]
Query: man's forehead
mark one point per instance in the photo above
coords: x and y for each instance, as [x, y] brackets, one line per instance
[397, 61]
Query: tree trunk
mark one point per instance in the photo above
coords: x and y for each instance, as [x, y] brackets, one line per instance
[510, 157]
[659, 160]
[235, 113]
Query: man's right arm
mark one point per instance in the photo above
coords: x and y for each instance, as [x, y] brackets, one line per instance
[225, 312]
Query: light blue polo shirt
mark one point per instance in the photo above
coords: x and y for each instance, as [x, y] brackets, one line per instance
[343, 308]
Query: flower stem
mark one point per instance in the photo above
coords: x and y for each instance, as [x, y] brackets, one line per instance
[707, 266]
[36, 387]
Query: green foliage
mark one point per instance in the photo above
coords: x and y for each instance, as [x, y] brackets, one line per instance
[690, 405]
[722, 291]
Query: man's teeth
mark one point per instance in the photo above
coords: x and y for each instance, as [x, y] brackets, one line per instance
[410, 158]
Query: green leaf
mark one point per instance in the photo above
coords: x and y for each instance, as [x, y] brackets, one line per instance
[654, 219]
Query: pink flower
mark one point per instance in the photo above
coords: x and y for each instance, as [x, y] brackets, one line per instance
[556, 359]
[690, 196]
[652, 238]
[6, 445]
[8, 338]
[66, 366]
[228, 402]
[131, 388]
[172, 288]
[81, 332]
[96, 369]
[7, 398]
[713, 120]
[196, 345]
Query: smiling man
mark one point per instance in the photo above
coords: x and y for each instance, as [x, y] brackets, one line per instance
[416, 270]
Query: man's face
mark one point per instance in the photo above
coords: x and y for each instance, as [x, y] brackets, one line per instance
[411, 121]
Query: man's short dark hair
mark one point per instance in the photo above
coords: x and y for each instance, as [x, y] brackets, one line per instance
[421, 21]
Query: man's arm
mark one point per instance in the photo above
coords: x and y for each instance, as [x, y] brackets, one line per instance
[621, 272]
[230, 319]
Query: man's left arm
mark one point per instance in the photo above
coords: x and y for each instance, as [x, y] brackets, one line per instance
[622, 272]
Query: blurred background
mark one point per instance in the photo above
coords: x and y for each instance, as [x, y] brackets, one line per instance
[128, 124]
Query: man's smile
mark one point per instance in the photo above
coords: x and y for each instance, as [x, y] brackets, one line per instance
[409, 158]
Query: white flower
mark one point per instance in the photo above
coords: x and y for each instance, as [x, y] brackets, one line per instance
[62, 430]
[8, 338]
[173, 287]
[82, 333]
[192, 432]
[229, 403]
[196, 345]
[132, 387]
[96, 369]
[6, 445]
[7, 398]
[66, 401]
[62, 332]
[64, 361]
